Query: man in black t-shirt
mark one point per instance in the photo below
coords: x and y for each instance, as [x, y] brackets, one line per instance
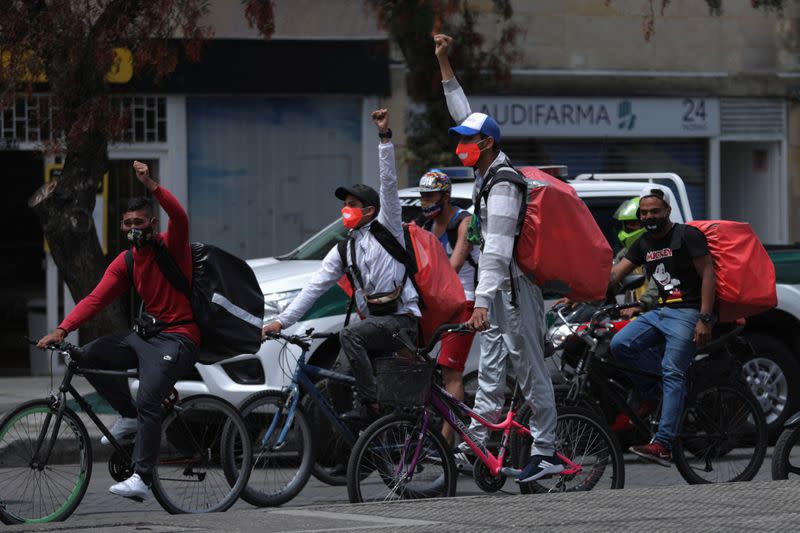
[676, 257]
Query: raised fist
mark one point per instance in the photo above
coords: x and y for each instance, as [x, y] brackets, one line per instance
[142, 171]
[381, 119]
[443, 44]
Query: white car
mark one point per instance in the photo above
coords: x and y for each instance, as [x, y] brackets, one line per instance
[281, 279]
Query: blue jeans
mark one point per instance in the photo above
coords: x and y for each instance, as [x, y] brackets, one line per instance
[640, 344]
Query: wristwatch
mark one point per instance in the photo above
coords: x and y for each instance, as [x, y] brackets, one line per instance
[707, 318]
[385, 135]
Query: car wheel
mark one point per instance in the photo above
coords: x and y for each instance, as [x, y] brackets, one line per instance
[773, 375]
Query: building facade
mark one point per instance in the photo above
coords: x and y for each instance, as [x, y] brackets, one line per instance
[254, 139]
[711, 98]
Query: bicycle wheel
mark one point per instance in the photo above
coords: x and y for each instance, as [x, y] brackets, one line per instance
[785, 457]
[378, 469]
[722, 436]
[332, 450]
[584, 440]
[203, 442]
[31, 493]
[279, 472]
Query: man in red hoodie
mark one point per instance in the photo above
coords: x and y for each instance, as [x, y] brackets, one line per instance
[163, 358]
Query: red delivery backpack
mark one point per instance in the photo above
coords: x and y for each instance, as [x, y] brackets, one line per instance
[441, 295]
[745, 272]
[560, 244]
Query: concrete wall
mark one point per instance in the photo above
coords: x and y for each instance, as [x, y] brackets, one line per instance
[299, 19]
[588, 34]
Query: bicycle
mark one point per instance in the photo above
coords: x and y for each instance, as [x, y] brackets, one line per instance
[402, 456]
[46, 453]
[786, 455]
[722, 435]
[284, 451]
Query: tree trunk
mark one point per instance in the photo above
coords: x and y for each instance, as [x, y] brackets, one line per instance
[64, 208]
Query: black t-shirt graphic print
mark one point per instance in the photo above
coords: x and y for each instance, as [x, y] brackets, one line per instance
[669, 261]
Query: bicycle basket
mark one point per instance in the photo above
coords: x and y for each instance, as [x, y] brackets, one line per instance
[402, 381]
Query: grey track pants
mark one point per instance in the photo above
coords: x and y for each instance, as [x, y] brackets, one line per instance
[518, 333]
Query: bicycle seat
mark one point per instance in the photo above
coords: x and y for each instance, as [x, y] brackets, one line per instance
[721, 335]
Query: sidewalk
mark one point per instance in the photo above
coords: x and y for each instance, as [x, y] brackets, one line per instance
[762, 506]
[19, 389]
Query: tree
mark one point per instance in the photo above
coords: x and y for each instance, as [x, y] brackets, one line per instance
[411, 25]
[71, 43]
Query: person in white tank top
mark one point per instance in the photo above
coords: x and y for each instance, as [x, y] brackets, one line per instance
[450, 223]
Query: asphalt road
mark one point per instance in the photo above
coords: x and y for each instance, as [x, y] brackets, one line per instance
[99, 502]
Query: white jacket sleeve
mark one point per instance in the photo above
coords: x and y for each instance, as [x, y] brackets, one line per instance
[323, 279]
[391, 214]
[457, 102]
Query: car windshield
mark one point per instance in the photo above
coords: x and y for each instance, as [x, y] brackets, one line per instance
[318, 246]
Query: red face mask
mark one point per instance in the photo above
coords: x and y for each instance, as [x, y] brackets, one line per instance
[469, 153]
[351, 216]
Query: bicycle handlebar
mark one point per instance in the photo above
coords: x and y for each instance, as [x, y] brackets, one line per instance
[75, 352]
[301, 340]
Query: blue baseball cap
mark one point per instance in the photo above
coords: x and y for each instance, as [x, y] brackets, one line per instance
[478, 123]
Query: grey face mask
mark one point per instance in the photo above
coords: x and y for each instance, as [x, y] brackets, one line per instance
[140, 237]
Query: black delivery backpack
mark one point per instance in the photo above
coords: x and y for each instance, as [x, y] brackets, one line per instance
[226, 299]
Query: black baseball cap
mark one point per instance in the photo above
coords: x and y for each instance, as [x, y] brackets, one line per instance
[365, 193]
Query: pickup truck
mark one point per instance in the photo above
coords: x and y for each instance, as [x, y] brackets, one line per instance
[774, 374]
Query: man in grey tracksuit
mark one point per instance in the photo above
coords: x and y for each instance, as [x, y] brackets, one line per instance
[504, 293]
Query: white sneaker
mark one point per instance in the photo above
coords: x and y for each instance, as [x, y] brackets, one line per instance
[463, 456]
[123, 427]
[133, 488]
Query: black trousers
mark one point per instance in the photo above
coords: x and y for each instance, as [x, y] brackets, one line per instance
[162, 360]
[373, 335]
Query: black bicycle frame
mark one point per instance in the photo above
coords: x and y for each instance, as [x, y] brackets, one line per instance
[61, 403]
[598, 373]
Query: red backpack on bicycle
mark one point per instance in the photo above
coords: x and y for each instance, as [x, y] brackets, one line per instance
[745, 272]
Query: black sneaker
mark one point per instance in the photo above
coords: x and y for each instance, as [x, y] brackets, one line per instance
[540, 466]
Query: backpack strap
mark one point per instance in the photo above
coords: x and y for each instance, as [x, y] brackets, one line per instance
[677, 236]
[342, 249]
[452, 227]
[129, 269]
[165, 264]
[129, 266]
[497, 175]
[171, 271]
[402, 254]
[452, 238]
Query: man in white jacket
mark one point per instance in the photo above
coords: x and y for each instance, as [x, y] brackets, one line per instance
[504, 293]
[383, 292]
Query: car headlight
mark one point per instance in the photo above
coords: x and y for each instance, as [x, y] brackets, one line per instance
[557, 334]
[276, 302]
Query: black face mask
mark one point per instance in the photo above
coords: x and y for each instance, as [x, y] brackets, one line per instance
[655, 224]
[140, 237]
